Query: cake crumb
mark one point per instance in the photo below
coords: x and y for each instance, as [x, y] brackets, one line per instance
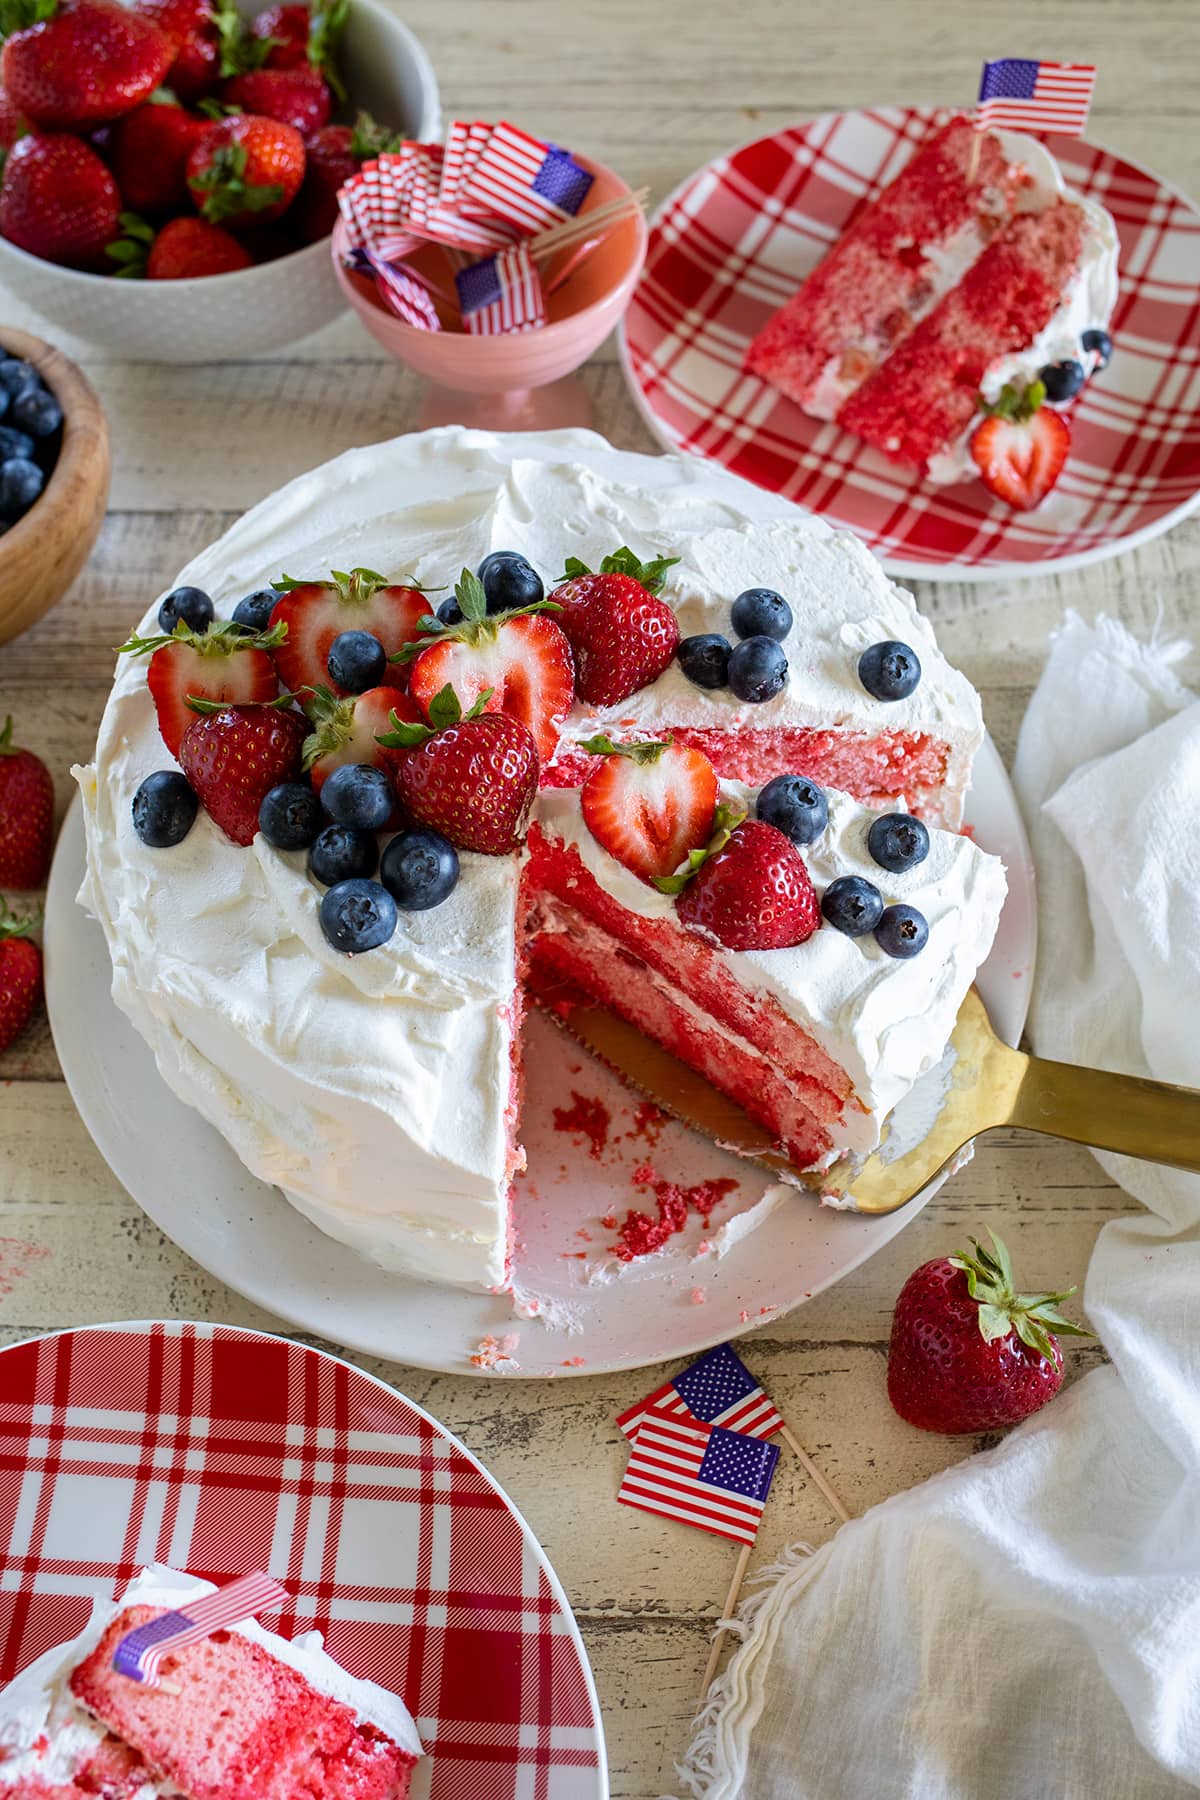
[587, 1118]
[493, 1351]
[697, 1296]
[574, 1362]
[640, 1234]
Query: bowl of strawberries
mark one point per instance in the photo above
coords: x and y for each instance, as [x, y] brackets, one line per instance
[171, 167]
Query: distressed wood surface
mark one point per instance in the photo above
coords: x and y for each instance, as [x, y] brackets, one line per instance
[656, 89]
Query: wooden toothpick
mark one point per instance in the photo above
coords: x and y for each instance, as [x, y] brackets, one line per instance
[731, 1600]
[973, 165]
[830, 1492]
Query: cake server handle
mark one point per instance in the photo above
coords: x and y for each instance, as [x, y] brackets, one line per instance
[1153, 1120]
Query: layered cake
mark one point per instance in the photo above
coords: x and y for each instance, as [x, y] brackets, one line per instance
[973, 275]
[322, 926]
[241, 1715]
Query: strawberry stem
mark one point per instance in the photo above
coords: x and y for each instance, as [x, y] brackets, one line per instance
[222, 638]
[646, 751]
[651, 575]
[726, 819]
[477, 625]
[13, 927]
[991, 1283]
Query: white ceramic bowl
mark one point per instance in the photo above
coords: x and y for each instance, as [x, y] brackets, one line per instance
[386, 71]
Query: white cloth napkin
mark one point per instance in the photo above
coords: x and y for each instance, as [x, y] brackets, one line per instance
[1026, 1626]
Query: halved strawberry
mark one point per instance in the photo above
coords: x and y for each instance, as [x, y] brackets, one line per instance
[521, 659]
[315, 612]
[472, 778]
[622, 636]
[649, 804]
[348, 729]
[224, 663]
[1021, 446]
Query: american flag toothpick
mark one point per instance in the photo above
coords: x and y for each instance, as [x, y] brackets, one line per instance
[1021, 95]
[501, 293]
[140, 1653]
[702, 1475]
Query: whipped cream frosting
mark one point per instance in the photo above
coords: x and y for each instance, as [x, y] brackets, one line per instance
[45, 1734]
[372, 1089]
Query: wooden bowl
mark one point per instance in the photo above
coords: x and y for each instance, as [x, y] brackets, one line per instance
[41, 554]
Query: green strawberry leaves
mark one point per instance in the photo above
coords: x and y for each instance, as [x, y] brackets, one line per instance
[651, 574]
[991, 1283]
[353, 586]
[222, 638]
[445, 709]
[648, 751]
[726, 820]
[1014, 402]
[13, 927]
[477, 625]
[132, 249]
[372, 139]
[326, 24]
[19, 15]
[227, 193]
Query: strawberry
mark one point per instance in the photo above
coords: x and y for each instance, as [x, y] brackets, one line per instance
[58, 201]
[296, 37]
[20, 975]
[223, 664]
[296, 97]
[234, 755]
[83, 62]
[186, 248]
[315, 612]
[649, 804]
[968, 1353]
[348, 730]
[148, 152]
[621, 635]
[246, 168]
[1021, 446]
[26, 815]
[332, 156]
[749, 889]
[522, 660]
[472, 776]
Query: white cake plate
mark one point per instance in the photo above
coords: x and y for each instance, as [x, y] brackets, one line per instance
[577, 1310]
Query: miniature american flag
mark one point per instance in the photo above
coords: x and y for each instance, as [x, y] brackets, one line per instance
[717, 1390]
[520, 179]
[1035, 96]
[501, 293]
[140, 1652]
[699, 1474]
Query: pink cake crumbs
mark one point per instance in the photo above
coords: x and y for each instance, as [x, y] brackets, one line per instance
[704, 1247]
[493, 1351]
[587, 1118]
[17, 1258]
[582, 1232]
[648, 1123]
[697, 1296]
[574, 1362]
[641, 1235]
[573, 1255]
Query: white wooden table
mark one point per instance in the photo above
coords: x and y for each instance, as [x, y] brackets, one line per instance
[654, 87]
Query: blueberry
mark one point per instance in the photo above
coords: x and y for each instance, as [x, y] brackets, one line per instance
[190, 604]
[1099, 344]
[164, 809]
[449, 612]
[795, 806]
[902, 931]
[704, 659]
[21, 482]
[897, 842]
[357, 661]
[509, 581]
[358, 915]
[757, 669]
[360, 795]
[36, 411]
[889, 671]
[17, 376]
[254, 612]
[852, 905]
[761, 612]
[419, 869]
[340, 853]
[290, 816]
[14, 443]
[1062, 380]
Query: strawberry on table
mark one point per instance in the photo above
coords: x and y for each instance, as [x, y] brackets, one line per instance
[222, 664]
[472, 776]
[296, 97]
[317, 612]
[348, 730]
[148, 153]
[234, 755]
[80, 63]
[1021, 446]
[20, 975]
[26, 815]
[969, 1353]
[649, 804]
[246, 169]
[520, 659]
[58, 200]
[622, 636]
[749, 890]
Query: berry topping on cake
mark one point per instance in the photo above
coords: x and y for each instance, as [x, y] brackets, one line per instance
[1098, 344]
[347, 730]
[650, 804]
[853, 905]
[795, 806]
[220, 663]
[339, 853]
[448, 612]
[897, 841]
[472, 776]
[234, 755]
[358, 915]
[26, 814]
[356, 661]
[189, 606]
[902, 931]
[750, 890]
[419, 869]
[1021, 446]
[622, 636]
[761, 612]
[704, 659]
[889, 671]
[317, 612]
[290, 817]
[1062, 380]
[164, 809]
[521, 659]
[253, 613]
[359, 795]
[510, 581]
[758, 670]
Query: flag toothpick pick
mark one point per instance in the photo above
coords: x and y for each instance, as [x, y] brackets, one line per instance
[1019, 94]
[140, 1653]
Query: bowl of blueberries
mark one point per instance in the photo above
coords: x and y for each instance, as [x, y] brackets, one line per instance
[54, 475]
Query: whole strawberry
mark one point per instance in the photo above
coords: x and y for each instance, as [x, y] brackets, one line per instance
[222, 665]
[235, 755]
[148, 154]
[83, 63]
[297, 37]
[58, 200]
[186, 248]
[968, 1353]
[623, 638]
[472, 777]
[750, 890]
[26, 815]
[246, 169]
[20, 975]
[296, 97]
[332, 155]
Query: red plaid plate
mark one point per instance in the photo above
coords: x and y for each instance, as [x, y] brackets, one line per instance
[222, 1451]
[734, 241]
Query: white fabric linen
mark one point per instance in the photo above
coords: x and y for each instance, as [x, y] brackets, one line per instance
[1026, 1626]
